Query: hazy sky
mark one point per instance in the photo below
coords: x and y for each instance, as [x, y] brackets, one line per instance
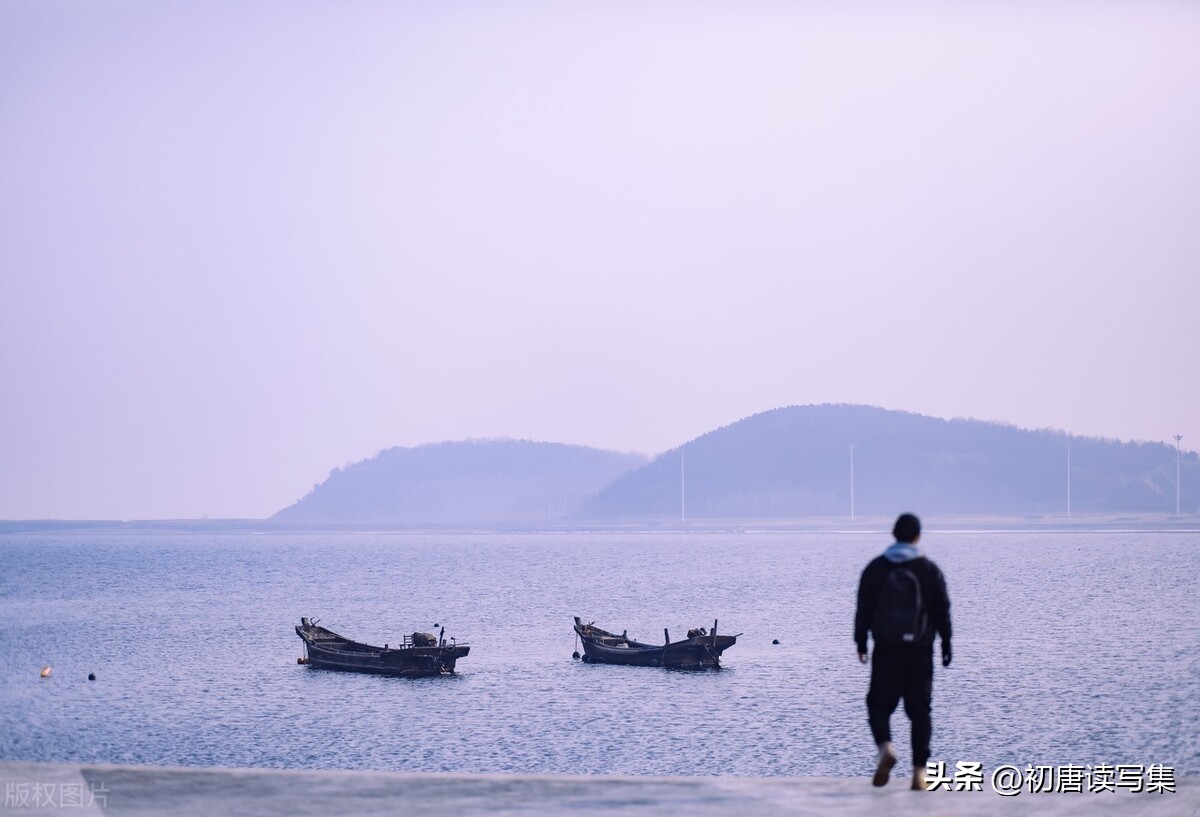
[242, 243]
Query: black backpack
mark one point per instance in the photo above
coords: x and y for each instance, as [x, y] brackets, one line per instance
[900, 616]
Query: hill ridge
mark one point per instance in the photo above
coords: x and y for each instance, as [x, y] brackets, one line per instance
[795, 461]
[788, 462]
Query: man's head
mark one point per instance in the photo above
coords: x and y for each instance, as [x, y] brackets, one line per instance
[907, 528]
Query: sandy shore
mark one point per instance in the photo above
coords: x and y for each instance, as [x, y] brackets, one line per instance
[64, 789]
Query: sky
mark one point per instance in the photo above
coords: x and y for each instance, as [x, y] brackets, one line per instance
[244, 243]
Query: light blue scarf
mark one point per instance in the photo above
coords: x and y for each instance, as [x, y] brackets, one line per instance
[900, 552]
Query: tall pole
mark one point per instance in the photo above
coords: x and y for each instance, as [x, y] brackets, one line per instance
[1068, 476]
[1177, 438]
[851, 483]
[682, 490]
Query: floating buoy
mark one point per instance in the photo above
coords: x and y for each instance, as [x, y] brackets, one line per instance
[301, 660]
[91, 676]
[776, 641]
[575, 655]
[46, 671]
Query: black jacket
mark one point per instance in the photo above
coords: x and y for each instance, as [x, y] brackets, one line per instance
[933, 594]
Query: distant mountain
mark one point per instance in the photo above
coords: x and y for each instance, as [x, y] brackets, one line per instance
[796, 462]
[488, 482]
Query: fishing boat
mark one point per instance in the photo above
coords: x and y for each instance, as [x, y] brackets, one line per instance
[700, 650]
[419, 654]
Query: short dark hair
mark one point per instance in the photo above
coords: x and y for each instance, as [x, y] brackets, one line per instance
[907, 528]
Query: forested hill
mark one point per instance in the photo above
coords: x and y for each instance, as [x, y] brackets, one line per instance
[796, 462]
[492, 482]
[788, 463]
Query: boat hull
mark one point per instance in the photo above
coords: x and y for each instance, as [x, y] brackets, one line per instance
[698, 652]
[322, 652]
[702, 654]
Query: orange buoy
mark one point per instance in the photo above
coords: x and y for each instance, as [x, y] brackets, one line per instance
[46, 671]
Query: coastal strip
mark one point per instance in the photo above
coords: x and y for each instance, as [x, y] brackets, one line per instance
[93, 789]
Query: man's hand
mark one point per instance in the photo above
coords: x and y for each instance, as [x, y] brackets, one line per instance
[946, 654]
[862, 658]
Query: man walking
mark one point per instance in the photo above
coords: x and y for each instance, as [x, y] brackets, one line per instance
[902, 601]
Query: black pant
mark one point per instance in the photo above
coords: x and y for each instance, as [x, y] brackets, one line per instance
[906, 672]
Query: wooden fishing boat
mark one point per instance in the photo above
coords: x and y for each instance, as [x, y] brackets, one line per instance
[419, 654]
[700, 650]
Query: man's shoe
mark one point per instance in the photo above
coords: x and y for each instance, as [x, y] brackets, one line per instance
[887, 759]
[918, 783]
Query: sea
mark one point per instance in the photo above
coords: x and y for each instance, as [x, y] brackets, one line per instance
[1070, 648]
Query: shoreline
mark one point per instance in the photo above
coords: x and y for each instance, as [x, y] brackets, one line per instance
[105, 789]
[951, 523]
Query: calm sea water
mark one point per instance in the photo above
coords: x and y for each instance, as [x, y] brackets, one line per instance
[1070, 648]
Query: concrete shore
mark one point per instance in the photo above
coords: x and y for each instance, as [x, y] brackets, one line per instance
[68, 789]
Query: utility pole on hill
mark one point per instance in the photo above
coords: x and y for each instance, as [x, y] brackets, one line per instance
[851, 483]
[682, 490]
[1178, 437]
